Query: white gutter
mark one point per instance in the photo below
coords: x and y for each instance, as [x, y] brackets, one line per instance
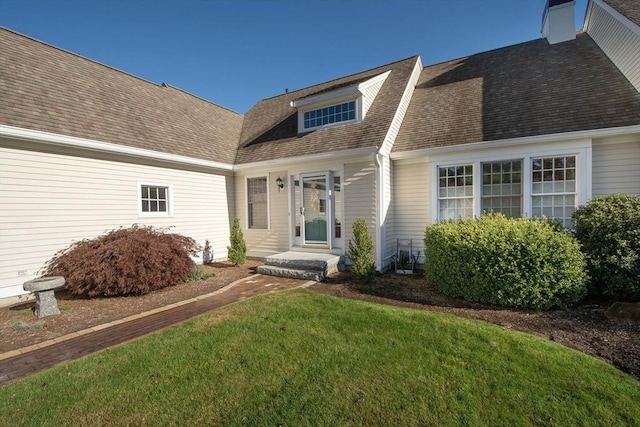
[555, 137]
[106, 147]
[308, 158]
[378, 160]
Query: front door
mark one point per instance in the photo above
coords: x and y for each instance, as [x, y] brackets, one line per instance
[315, 212]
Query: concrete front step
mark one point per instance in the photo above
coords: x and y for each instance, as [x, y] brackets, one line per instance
[293, 273]
[302, 265]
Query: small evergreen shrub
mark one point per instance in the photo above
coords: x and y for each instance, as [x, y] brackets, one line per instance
[363, 266]
[126, 261]
[517, 262]
[237, 251]
[198, 273]
[609, 230]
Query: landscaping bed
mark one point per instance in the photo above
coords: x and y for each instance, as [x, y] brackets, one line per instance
[583, 327]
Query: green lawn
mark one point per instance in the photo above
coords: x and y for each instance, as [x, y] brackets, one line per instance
[302, 358]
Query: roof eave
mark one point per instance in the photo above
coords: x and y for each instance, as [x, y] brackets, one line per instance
[333, 155]
[536, 139]
[105, 147]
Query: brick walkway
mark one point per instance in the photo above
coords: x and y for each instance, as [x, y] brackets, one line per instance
[21, 363]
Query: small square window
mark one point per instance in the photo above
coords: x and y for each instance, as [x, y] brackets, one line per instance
[154, 200]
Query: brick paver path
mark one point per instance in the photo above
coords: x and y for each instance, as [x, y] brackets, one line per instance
[20, 363]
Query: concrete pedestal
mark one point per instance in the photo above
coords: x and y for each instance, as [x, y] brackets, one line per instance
[43, 288]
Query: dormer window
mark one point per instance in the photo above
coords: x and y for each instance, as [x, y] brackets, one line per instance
[343, 112]
[338, 107]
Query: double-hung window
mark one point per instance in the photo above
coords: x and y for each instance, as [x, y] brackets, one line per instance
[502, 187]
[257, 203]
[553, 191]
[455, 190]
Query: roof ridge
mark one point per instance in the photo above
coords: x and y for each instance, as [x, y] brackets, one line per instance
[340, 78]
[161, 85]
[78, 55]
[578, 33]
[168, 85]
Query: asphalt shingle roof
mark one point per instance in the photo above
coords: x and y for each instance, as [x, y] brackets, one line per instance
[523, 90]
[270, 129]
[628, 8]
[48, 89]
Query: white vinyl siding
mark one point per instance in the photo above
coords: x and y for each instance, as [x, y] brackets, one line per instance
[618, 42]
[51, 200]
[360, 197]
[411, 192]
[616, 167]
[369, 95]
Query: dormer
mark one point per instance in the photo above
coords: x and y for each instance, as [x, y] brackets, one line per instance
[337, 107]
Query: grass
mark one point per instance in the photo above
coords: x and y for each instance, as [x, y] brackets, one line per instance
[301, 358]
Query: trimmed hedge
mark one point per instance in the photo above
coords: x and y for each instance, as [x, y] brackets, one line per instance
[516, 262]
[134, 260]
[609, 230]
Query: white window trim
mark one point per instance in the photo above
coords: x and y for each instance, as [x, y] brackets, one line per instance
[581, 149]
[169, 211]
[246, 200]
[331, 102]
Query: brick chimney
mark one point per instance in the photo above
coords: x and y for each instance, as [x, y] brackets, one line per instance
[558, 21]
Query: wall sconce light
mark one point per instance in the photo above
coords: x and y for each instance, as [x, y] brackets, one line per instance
[279, 183]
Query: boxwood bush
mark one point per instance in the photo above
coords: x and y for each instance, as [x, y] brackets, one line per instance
[609, 230]
[125, 261]
[516, 262]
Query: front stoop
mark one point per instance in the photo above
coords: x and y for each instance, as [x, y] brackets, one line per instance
[300, 265]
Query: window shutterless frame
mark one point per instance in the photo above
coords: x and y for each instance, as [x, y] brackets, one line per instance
[154, 199]
[257, 192]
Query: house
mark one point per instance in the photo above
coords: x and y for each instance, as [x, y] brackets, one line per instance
[532, 129]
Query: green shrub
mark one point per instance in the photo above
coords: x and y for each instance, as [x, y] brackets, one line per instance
[199, 273]
[237, 251]
[609, 230]
[134, 260]
[517, 262]
[363, 266]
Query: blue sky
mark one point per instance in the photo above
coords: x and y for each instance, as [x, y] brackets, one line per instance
[235, 53]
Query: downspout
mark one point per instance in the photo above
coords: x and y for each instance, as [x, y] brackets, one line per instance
[378, 159]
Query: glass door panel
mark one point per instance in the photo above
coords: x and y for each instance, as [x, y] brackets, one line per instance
[314, 212]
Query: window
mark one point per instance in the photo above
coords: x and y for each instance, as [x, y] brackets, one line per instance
[330, 115]
[502, 187]
[154, 200]
[548, 183]
[455, 192]
[257, 202]
[553, 192]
